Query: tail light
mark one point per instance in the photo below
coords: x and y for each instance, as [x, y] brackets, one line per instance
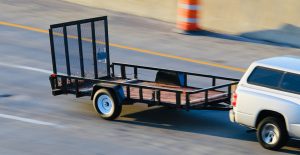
[53, 75]
[234, 98]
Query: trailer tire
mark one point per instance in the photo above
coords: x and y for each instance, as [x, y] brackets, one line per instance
[106, 104]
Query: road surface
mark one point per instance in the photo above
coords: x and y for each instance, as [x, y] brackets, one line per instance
[35, 122]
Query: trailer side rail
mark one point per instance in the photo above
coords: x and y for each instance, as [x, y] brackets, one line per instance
[70, 85]
[188, 103]
[136, 67]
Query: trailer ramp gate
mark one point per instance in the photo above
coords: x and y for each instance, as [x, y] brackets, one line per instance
[80, 48]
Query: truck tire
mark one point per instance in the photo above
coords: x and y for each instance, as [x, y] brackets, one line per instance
[272, 133]
[106, 104]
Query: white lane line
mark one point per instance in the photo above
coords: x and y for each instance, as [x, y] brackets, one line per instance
[26, 68]
[27, 120]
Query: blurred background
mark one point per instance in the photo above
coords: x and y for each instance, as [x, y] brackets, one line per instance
[269, 20]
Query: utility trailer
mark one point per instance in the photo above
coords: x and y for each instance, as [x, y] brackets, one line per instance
[81, 66]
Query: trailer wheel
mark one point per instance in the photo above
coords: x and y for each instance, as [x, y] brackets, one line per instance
[106, 104]
[271, 133]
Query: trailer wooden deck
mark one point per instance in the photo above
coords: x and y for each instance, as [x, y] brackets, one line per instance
[170, 97]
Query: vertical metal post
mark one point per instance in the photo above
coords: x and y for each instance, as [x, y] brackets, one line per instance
[107, 46]
[141, 93]
[123, 72]
[135, 72]
[113, 70]
[64, 84]
[185, 79]
[229, 93]
[77, 87]
[158, 96]
[94, 49]
[52, 51]
[178, 99]
[128, 92]
[213, 81]
[80, 50]
[206, 97]
[187, 100]
[153, 96]
[67, 50]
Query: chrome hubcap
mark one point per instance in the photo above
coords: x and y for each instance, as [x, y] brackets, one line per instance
[105, 104]
[270, 134]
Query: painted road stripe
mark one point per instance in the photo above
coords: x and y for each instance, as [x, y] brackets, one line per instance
[27, 120]
[23, 27]
[26, 68]
[138, 50]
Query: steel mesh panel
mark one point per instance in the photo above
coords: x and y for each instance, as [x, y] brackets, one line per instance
[73, 46]
[94, 52]
[87, 49]
[59, 47]
[101, 48]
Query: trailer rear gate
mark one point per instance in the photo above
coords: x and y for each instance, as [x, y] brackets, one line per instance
[80, 48]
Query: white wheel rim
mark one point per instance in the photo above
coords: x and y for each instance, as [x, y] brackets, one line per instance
[270, 134]
[105, 104]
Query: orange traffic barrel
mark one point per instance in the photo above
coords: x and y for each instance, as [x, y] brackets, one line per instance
[187, 15]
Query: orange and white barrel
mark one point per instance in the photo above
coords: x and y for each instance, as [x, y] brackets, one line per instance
[188, 15]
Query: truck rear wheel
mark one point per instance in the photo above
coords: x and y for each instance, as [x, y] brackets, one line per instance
[106, 104]
[271, 133]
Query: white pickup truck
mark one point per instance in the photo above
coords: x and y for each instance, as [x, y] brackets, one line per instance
[268, 99]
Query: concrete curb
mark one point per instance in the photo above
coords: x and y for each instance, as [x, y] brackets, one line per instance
[287, 34]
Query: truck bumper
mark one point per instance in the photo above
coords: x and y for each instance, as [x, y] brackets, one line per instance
[232, 116]
[295, 130]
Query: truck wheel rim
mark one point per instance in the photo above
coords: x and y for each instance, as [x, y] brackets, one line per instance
[105, 104]
[270, 134]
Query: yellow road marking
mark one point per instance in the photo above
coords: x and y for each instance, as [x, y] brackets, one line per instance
[137, 49]
[23, 27]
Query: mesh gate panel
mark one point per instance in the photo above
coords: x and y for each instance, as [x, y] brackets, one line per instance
[84, 37]
[59, 48]
[87, 49]
[72, 36]
[100, 46]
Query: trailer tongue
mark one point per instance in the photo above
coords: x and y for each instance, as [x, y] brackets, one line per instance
[81, 66]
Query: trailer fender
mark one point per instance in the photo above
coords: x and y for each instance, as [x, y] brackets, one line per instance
[115, 89]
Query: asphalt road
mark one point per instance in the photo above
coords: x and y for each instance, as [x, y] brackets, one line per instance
[34, 122]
